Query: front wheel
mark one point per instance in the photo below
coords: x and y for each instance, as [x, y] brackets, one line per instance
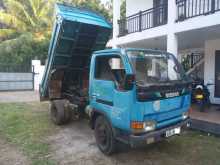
[104, 135]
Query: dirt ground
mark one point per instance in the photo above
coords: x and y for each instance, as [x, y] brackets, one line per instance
[21, 96]
[10, 155]
[75, 145]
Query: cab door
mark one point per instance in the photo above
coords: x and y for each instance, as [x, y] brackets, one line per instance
[102, 85]
[107, 93]
[123, 98]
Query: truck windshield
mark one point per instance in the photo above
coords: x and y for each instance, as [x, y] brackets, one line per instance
[155, 68]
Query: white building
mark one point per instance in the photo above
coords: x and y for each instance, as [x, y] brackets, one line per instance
[186, 28]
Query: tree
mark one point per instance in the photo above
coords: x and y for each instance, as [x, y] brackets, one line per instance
[21, 16]
[28, 25]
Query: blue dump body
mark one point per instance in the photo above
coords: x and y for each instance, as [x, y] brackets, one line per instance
[77, 32]
[136, 96]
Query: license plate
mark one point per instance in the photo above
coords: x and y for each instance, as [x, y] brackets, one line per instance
[172, 132]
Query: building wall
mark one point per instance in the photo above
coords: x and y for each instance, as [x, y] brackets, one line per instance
[171, 27]
[139, 5]
[209, 74]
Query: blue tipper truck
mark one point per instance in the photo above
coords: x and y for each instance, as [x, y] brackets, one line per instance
[134, 96]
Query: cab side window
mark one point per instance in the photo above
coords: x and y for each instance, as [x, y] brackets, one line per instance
[103, 69]
[110, 68]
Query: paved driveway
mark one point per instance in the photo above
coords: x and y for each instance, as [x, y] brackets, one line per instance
[21, 96]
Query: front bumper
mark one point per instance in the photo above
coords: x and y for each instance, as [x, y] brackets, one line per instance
[154, 136]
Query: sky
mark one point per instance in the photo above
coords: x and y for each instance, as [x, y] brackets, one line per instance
[104, 1]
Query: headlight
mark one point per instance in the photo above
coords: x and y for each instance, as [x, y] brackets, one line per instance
[149, 126]
[185, 115]
[141, 127]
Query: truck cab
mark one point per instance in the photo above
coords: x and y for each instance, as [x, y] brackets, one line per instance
[135, 96]
[142, 94]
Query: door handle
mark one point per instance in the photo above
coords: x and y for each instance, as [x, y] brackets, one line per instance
[94, 95]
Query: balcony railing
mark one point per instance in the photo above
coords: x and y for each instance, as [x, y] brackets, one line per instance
[192, 8]
[143, 20]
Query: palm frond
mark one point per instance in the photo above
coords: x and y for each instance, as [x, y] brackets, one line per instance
[15, 7]
[12, 21]
[33, 6]
[45, 9]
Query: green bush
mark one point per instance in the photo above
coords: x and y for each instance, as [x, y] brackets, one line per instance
[23, 49]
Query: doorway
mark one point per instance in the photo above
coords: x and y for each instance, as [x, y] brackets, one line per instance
[217, 74]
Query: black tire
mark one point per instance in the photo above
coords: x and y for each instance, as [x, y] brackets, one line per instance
[104, 136]
[59, 114]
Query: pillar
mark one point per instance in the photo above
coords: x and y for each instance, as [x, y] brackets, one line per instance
[116, 17]
[172, 44]
[172, 40]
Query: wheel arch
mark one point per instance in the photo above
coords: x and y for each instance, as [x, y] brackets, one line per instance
[95, 113]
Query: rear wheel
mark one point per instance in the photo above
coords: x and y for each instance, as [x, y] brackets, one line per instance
[59, 113]
[104, 135]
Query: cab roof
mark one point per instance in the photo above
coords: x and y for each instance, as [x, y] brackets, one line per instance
[121, 50]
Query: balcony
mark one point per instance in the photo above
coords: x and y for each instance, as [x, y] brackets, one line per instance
[192, 8]
[143, 20]
[157, 16]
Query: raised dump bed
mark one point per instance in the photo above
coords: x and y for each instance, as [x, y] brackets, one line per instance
[76, 34]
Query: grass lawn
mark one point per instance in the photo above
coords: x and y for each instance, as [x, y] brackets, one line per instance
[26, 125]
[191, 148]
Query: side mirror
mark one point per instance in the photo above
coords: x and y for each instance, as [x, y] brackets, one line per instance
[129, 81]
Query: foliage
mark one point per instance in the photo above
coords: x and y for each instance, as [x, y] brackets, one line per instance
[21, 16]
[23, 49]
[28, 25]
